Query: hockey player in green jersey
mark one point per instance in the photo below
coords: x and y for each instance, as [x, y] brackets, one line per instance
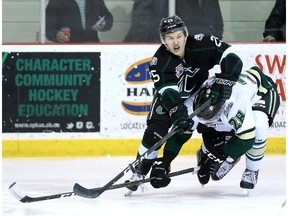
[245, 118]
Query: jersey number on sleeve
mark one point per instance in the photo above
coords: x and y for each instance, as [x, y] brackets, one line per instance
[237, 120]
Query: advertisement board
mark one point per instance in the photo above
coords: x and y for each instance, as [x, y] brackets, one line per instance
[128, 99]
[50, 92]
[118, 108]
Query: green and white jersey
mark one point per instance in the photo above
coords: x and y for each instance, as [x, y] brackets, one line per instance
[236, 113]
[253, 91]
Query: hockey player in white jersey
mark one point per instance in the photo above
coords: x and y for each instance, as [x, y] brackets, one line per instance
[245, 117]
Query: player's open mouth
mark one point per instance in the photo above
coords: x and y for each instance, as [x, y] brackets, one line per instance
[176, 47]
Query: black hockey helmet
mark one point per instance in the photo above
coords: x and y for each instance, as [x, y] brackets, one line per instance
[212, 112]
[172, 24]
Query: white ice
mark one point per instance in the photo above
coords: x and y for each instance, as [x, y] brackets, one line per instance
[184, 195]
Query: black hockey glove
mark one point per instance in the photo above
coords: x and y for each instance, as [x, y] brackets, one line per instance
[221, 89]
[180, 118]
[231, 67]
[158, 173]
[185, 125]
[217, 159]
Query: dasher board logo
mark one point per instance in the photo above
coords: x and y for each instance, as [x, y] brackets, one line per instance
[140, 90]
[51, 92]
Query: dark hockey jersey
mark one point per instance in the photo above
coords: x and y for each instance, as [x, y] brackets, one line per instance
[168, 71]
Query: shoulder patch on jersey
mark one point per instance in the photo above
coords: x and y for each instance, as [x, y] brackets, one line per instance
[154, 61]
[160, 110]
[199, 37]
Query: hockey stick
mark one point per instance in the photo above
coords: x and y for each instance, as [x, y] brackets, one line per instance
[92, 194]
[19, 195]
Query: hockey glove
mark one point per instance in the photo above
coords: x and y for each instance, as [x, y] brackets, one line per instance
[158, 175]
[218, 171]
[180, 118]
[210, 156]
[216, 160]
[231, 67]
[221, 89]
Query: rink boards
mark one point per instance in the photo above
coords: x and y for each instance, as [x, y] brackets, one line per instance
[104, 99]
[102, 147]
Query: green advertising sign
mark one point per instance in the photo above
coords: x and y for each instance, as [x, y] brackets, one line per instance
[56, 92]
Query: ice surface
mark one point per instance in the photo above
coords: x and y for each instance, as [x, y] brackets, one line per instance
[184, 195]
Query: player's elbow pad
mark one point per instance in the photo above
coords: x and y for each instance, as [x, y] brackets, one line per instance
[170, 99]
[231, 67]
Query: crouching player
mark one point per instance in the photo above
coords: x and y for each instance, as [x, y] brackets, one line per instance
[235, 127]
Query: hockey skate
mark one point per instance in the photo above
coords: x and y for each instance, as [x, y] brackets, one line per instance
[222, 169]
[249, 179]
[135, 177]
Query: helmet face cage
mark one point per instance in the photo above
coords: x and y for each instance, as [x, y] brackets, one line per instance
[211, 113]
[171, 24]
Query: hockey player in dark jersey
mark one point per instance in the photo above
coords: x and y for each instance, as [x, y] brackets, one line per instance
[178, 69]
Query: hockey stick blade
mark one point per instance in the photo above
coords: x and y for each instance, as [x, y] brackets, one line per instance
[90, 193]
[19, 195]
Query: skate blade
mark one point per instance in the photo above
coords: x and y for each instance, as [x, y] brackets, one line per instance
[246, 192]
[283, 204]
[128, 193]
[194, 172]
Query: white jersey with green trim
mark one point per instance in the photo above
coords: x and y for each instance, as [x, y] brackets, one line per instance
[236, 113]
